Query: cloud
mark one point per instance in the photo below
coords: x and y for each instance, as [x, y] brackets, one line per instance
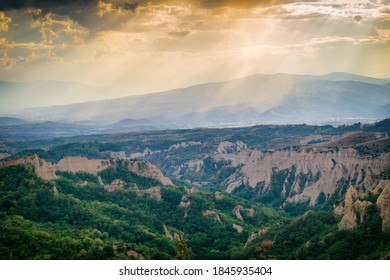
[9, 5]
[180, 32]
[33, 12]
[332, 42]
[12, 53]
[383, 24]
[355, 10]
[131, 6]
[106, 8]
[4, 21]
[68, 6]
[7, 62]
[47, 5]
[237, 3]
[77, 10]
[292, 11]
[8, 46]
[358, 18]
[49, 35]
[57, 29]
[141, 32]
[156, 19]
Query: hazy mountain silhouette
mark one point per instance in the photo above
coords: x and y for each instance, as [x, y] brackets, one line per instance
[249, 100]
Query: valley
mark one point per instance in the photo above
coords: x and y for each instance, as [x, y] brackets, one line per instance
[260, 192]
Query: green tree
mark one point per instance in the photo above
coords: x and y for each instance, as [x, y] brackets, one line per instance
[183, 252]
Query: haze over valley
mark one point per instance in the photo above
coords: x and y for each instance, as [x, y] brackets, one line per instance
[260, 99]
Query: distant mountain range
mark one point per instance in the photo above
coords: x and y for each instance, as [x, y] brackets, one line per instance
[6, 121]
[14, 128]
[257, 99]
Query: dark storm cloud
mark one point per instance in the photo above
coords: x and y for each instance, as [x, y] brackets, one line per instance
[66, 6]
[131, 6]
[78, 10]
[16, 4]
[44, 4]
[72, 8]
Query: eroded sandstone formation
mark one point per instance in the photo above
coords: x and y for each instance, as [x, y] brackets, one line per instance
[308, 172]
[47, 170]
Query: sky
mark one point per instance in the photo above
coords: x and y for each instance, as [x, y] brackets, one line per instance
[148, 46]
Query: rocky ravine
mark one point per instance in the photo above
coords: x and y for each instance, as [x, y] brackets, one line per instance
[353, 210]
[47, 170]
[305, 173]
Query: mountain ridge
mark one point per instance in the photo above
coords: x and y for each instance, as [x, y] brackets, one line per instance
[251, 97]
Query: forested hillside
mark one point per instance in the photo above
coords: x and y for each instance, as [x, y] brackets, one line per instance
[73, 217]
[265, 192]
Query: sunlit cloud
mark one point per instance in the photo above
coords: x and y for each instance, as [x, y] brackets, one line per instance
[7, 61]
[33, 12]
[140, 45]
[4, 21]
[106, 8]
[355, 10]
[55, 29]
[12, 53]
